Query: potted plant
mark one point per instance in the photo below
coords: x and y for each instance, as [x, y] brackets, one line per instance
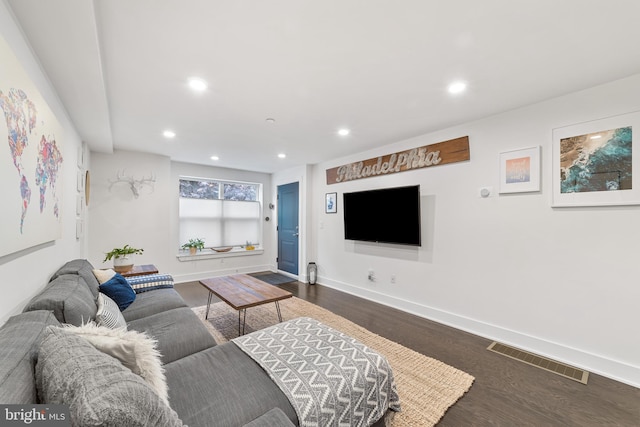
[194, 245]
[122, 258]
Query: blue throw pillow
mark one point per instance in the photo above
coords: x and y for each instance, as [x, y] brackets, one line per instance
[118, 289]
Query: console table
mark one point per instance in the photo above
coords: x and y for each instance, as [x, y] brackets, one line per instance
[141, 270]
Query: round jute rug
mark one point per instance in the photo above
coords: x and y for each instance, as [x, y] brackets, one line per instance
[427, 387]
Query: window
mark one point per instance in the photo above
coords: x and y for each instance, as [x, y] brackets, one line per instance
[223, 213]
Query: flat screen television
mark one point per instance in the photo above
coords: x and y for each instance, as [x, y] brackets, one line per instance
[387, 215]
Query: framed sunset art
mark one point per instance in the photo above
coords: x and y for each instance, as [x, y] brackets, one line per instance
[520, 170]
[595, 163]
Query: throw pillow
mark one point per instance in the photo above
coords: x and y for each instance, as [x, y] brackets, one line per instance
[136, 350]
[96, 387]
[150, 282]
[103, 275]
[109, 314]
[118, 289]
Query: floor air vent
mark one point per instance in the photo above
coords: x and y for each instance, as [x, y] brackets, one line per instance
[541, 362]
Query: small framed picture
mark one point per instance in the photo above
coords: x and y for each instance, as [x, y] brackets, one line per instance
[331, 205]
[80, 181]
[520, 170]
[81, 156]
[79, 204]
[79, 228]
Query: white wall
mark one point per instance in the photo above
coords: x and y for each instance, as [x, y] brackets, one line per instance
[560, 282]
[151, 220]
[118, 218]
[26, 272]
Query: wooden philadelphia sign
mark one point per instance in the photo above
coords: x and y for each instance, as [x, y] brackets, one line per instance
[452, 151]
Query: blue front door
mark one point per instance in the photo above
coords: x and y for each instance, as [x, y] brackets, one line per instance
[288, 231]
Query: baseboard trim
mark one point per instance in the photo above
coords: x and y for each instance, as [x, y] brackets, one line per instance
[613, 369]
[298, 277]
[191, 277]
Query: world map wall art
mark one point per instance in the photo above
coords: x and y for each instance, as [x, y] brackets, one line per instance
[596, 163]
[31, 161]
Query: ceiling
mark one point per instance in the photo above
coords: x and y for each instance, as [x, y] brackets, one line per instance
[379, 68]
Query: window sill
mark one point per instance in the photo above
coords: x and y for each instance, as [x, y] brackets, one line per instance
[211, 254]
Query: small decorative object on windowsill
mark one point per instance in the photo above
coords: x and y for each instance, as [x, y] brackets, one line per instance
[122, 258]
[227, 249]
[312, 273]
[194, 245]
[249, 246]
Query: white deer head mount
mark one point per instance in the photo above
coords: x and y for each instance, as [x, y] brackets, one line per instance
[134, 184]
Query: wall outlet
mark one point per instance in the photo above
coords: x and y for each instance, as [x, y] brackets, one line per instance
[393, 278]
[371, 276]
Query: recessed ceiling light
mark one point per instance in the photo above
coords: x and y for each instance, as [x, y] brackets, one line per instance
[215, 158]
[169, 134]
[197, 84]
[270, 120]
[344, 132]
[282, 155]
[457, 87]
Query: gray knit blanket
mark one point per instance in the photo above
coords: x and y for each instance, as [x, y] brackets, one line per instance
[330, 378]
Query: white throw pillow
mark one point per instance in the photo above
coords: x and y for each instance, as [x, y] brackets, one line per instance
[109, 313]
[104, 275]
[136, 350]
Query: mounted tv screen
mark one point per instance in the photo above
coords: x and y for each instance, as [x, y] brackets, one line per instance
[389, 215]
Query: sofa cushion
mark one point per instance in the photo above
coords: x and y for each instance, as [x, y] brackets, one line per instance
[225, 385]
[109, 314]
[19, 340]
[118, 289]
[133, 349]
[68, 297]
[179, 332]
[82, 268]
[98, 388]
[149, 303]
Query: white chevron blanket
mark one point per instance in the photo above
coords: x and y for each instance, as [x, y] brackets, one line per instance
[330, 378]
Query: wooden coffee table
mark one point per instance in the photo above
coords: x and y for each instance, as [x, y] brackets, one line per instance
[242, 291]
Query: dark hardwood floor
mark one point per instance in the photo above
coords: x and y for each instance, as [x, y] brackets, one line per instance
[505, 392]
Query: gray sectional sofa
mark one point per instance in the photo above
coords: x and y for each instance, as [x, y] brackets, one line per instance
[209, 384]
